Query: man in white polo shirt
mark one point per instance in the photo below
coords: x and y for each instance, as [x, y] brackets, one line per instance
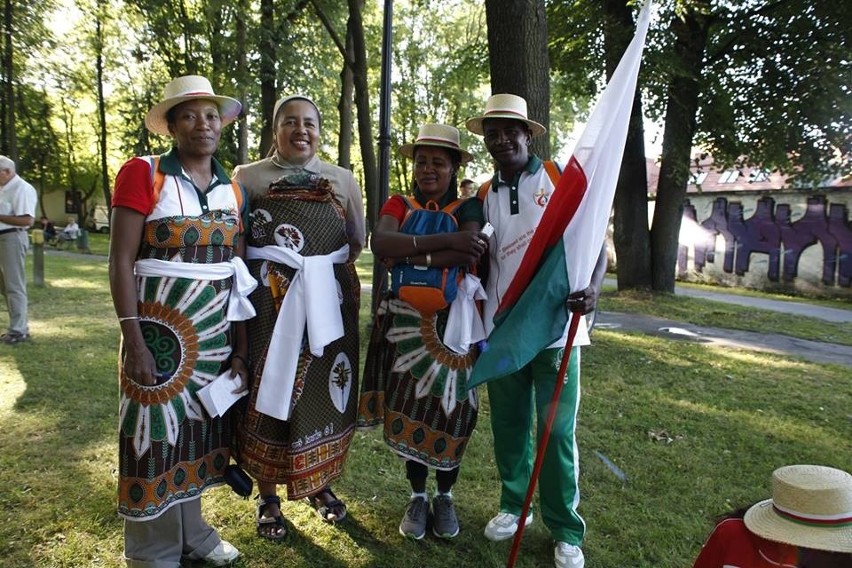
[17, 213]
[514, 203]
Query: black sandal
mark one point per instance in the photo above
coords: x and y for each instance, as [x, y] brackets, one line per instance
[272, 528]
[326, 511]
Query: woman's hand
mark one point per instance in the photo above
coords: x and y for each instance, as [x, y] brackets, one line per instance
[470, 242]
[139, 366]
[239, 370]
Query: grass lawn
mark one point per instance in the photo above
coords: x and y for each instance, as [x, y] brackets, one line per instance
[696, 431]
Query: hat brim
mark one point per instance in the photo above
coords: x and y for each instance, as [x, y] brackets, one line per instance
[475, 124]
[155, 120]
[762, 520]
[407, 150]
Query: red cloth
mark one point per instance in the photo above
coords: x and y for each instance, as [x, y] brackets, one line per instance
[732, 545]
[394, 207]
[133, 187]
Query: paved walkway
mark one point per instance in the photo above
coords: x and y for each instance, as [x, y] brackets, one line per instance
[767, 342]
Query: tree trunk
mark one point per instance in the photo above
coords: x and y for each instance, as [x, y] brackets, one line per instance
[517, 45]
[10, 140]
[99, 66]
[362, 103]
[268, 47]
[682, 106]
[632, 236]
[344, 106]
[242, 80]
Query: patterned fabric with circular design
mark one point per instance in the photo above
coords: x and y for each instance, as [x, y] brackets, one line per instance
[416, 388]
[170, 450]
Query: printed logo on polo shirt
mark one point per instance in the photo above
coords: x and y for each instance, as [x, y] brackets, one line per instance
[541, 197]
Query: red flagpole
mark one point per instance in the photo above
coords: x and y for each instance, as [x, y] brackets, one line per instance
[545, 436]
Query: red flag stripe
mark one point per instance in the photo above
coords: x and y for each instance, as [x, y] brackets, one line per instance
[564, 202]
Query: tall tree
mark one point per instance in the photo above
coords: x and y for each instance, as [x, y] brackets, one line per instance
[100, 16]
[630, 207]
[10, 140]
[520, 64]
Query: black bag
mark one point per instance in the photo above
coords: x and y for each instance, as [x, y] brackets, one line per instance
[238, 480]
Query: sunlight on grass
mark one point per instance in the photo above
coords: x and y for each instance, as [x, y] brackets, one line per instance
[12, 384]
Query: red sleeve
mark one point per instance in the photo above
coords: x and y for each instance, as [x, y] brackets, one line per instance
[133, 186]
[394, 207]
[715, 551]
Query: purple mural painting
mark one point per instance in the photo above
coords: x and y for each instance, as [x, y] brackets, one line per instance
[770, 231]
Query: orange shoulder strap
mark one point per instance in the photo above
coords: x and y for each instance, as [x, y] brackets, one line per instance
[483, 191]
[553, 172]
[158, 178]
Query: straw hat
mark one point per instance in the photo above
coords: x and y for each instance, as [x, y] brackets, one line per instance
[184, 89]
[505, 105]
[439, 135]
[811, 507]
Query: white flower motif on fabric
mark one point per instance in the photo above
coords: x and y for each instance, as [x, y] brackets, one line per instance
[290, 236]
[340, 381]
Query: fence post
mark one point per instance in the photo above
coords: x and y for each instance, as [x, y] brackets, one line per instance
[37, 236]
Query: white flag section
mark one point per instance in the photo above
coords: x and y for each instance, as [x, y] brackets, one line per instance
[563, 251]
[598, 152]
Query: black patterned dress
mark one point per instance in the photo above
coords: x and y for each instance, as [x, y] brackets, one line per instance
[307, 451]
[170, 450]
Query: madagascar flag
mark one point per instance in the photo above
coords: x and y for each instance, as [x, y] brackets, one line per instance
[564, 249]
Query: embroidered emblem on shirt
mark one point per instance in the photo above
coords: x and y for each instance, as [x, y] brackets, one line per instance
[541, 197]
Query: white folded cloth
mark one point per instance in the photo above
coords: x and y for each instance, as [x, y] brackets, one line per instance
[239, 306]
[312, 300]
[464, 323]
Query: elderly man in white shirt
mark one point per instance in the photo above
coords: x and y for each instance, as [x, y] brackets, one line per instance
[17, 213]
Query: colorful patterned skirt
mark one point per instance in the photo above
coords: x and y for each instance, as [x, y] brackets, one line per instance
[170, 450]
[417, 388]
[307, 451]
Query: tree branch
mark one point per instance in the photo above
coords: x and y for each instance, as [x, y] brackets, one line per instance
[334, 37]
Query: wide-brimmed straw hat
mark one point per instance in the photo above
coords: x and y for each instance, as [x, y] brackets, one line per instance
[184, 89]
[811, 507]
[439, 135]
[504, 105]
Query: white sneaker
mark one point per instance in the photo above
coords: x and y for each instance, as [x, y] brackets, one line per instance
[223, 554]
[568, 556]
[504, 526]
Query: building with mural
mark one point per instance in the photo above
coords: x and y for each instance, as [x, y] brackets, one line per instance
[748, 227]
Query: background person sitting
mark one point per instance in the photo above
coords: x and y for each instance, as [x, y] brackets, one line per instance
[49, 230]
[807, 524]
[70, 233]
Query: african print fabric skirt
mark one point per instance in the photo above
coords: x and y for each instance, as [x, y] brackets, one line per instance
[417, 388]
[307, 451]
[170, 450]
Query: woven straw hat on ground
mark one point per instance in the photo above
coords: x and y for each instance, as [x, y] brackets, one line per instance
[811, 507]
[440, 135]
[504, 105]
[185, 89]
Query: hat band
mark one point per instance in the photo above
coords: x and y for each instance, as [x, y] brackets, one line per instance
[840, 520]
[193, 93]
[521, 116]
[427, 140]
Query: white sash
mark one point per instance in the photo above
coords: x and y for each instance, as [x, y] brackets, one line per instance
[464, 324]
[239, 306]
[312, 301]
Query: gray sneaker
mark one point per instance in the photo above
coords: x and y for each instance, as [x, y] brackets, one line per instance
[413, 523]
[445, 523]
